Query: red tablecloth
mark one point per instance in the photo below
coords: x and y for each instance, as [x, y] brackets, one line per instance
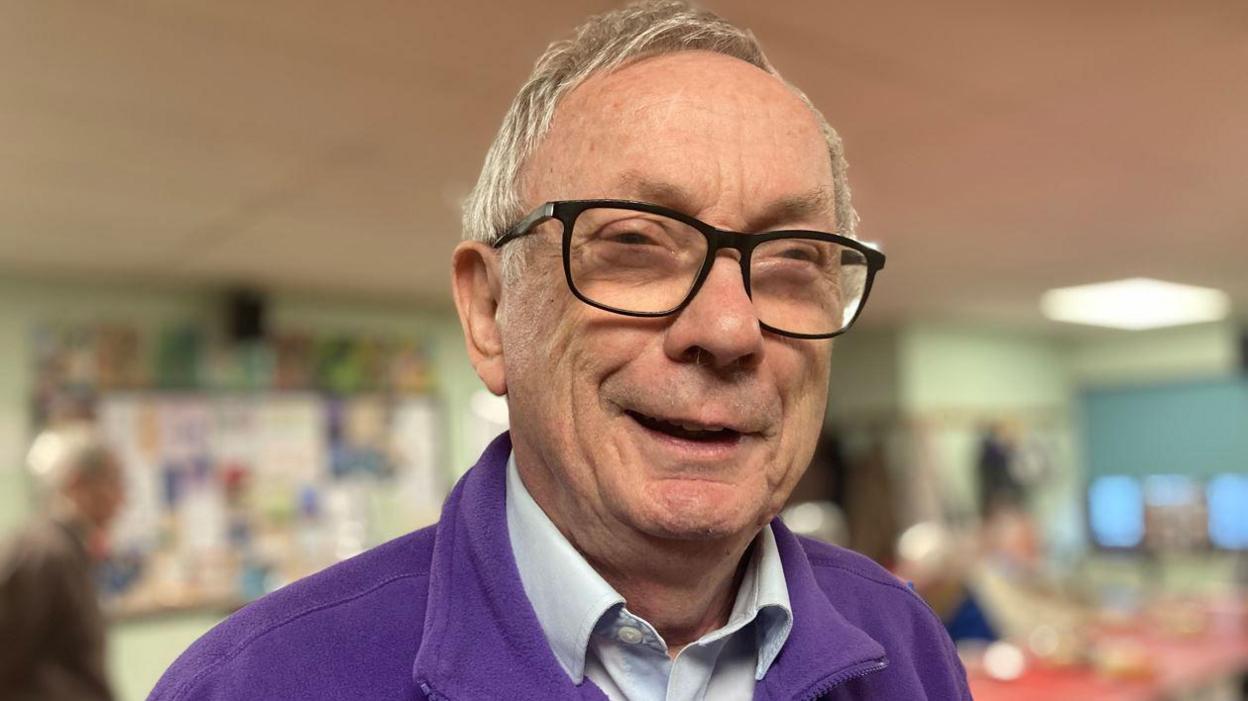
[1180, 664]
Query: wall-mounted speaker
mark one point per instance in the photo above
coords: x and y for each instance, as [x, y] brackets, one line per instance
[245, 316]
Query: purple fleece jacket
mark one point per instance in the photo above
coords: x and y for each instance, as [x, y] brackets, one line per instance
[440, 614]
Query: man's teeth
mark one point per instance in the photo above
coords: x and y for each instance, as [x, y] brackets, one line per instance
[692, 427]
[685, 429]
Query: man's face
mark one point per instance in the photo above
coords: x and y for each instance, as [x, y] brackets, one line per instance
[100, 493]
[616, 420]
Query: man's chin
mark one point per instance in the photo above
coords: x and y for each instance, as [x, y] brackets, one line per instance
[693, 520]
[692, 532]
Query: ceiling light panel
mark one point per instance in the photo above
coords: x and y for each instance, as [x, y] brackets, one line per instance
[1135, 304]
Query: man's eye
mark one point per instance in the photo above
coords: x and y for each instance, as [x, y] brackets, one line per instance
[635, 236]
[808, 254]
[630, 237]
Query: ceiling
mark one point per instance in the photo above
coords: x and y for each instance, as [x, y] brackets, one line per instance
[997, 148]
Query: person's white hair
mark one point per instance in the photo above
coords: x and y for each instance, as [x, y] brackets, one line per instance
[602, 43]
[61, 453]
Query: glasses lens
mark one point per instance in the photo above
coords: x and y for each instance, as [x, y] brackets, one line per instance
[634, 261]
[807, 286]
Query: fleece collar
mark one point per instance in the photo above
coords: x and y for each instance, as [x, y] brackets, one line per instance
[482, 639]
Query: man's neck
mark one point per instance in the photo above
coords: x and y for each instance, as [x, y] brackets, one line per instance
[684, 588]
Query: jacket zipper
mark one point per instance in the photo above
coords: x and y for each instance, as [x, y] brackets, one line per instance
[430, 694]
[848, 675]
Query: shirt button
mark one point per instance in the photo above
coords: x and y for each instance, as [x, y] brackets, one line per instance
[630, 635]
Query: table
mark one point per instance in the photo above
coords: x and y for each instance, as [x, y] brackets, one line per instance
[1183, 665]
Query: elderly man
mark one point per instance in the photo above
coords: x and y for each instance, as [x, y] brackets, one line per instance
[50, 619]
[667, 378]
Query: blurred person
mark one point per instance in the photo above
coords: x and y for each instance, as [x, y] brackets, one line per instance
[989, 583]
[937, 559]
[999, 484]
[666, 381]
[1009, 580]
[50, 616]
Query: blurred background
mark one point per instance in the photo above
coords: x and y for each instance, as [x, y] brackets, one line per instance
[225, 232]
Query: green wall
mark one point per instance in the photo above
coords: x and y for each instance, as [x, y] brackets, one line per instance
[1198, 428]
[967, 369]
[1200, 351]
[140, 651]
[864, 380]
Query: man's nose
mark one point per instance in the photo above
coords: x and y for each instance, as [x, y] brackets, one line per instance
[719, 325]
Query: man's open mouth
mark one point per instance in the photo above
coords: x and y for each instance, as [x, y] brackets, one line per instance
[686, 431]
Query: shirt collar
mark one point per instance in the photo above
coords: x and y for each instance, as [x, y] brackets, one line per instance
[570, 604]
[764, 597]
[567, 594]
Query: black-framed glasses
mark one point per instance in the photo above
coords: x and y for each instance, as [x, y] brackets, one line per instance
[643, 260]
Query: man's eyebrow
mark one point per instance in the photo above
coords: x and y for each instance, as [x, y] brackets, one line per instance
[647, 189]
[817, 204]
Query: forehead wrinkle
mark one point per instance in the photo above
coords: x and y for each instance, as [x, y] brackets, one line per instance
[815, 204]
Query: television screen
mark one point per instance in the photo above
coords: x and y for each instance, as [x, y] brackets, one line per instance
[1227, 496]
[1116, 511]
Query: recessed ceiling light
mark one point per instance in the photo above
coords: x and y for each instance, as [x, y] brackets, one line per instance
[1136, 303]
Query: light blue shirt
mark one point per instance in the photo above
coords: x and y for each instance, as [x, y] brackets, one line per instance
[593, 634]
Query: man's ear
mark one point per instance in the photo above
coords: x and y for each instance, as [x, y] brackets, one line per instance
[477, 285]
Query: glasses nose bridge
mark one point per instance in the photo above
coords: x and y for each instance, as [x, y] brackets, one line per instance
[724, 240]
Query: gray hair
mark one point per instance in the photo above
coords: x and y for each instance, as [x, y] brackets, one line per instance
[602, 43]
[60, 454]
